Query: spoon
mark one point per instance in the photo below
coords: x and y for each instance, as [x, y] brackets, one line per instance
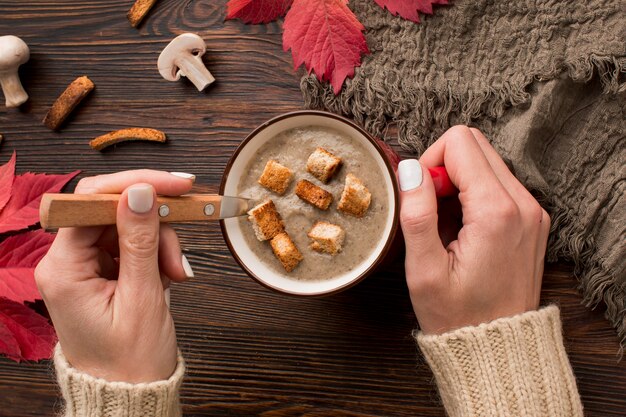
[78, 210]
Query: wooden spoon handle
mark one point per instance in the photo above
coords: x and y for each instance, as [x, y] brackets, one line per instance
[76, 210]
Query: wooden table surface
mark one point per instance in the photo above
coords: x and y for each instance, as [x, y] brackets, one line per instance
[249, 351]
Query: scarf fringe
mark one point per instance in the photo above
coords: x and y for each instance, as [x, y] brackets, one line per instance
[432, 112]
[570, 242]
[610, 70]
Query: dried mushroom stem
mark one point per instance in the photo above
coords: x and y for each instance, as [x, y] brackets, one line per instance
[67, 102]
[13, 91]
[13, 53]
[123, 135]
[193, 68]
[139, 10]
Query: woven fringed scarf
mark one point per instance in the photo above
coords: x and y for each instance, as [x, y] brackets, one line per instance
[545, 80]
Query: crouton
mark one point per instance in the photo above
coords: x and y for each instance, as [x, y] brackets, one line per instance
[276, 177]
[323, 164]
[356, 198]
[313, 194]
[286, 251]
[327, 237]
[266, 221]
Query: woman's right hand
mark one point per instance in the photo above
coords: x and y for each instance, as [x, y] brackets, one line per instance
[490, 268]
[104, 286]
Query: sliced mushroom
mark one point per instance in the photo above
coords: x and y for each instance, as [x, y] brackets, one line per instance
[13, 53]
[183, 57]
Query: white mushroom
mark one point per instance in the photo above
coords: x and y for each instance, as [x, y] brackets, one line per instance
[183, 56]
[13, 53]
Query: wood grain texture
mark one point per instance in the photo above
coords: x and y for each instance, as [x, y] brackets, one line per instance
[250, 351]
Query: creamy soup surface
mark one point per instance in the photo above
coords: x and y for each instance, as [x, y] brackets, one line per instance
[292, 149]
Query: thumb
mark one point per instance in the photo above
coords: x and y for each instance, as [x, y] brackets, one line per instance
[418, 216]
[138, 234]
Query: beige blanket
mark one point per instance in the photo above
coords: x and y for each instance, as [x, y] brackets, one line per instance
[545, 80]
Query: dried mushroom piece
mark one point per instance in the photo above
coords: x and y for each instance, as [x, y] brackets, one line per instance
[133, 133]
[139, 10]
[67, 102]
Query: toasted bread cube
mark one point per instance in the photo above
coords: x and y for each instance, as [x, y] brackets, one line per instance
[286, 251]
[323, 164]
[276, 177]
[327, 237]
[313, 194]
[266, 220]
[356, 198]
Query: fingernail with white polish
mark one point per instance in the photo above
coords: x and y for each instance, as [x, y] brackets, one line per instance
[187, 267]
[167, 295]
[184, 175]
[410, 174]
[140, 198]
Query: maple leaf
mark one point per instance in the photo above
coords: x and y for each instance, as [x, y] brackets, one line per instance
[22, 210]
[32, 332]
[257, 11]
[19, 255]
[8, 344]
[325, 36]
[7, 173]
[408, 8]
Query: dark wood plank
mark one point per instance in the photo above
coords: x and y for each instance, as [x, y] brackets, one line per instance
[250, 351]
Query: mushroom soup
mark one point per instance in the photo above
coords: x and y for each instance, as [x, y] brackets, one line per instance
[292, 149]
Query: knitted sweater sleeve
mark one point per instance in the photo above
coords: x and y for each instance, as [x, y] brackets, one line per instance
[85, 395]
[515, 366]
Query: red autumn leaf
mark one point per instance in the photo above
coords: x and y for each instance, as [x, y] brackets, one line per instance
[392, 156]
[408, 8]
[22, 210]
[8, 344]
[257, 11]
[325, 36]
[33, 333]
[7, 173]
[19, 255]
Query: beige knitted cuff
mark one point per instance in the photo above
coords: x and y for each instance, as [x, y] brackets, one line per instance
[514, 366]
[94, 397]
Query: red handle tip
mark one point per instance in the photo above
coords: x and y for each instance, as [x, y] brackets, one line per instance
[443, 185]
